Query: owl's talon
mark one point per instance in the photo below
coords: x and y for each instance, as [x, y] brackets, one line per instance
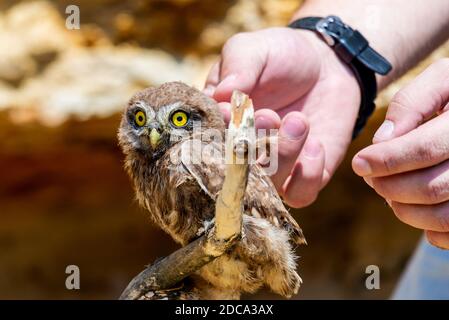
[286, 285]
[207, 224]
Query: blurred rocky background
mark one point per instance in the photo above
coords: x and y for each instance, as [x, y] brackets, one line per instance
[64, 198]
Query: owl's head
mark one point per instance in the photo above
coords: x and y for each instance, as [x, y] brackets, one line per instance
[157, 118]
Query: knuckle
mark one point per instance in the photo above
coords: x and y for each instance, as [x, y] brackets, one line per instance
[237, 38]
[434, 191]
[288, 149]
[404, 102]
[388, 162]
[425, 152]
[400, 99]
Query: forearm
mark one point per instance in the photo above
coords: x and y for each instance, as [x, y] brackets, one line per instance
[404, 31]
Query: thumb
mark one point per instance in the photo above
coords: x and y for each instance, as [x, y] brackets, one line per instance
[243, 59]
[416, 102]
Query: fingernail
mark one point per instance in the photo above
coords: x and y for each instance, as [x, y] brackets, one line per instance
[260, 122]
[312, 149]
[385, 131]
[209, 90]
[293, 127]
[361, 166]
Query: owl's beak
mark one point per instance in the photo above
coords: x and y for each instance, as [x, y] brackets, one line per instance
[154, 138]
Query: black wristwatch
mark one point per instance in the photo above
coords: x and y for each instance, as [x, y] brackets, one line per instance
[354, 50]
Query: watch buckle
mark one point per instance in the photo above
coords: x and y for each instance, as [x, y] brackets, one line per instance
[322, 27]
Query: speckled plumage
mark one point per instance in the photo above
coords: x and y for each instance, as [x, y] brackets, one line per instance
[180, 195]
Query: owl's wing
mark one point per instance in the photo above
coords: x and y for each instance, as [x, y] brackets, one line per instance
[261, 199]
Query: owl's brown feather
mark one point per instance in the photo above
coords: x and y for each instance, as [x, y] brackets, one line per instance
[261, 199]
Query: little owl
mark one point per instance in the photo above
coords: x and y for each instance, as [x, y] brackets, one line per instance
[156, 128]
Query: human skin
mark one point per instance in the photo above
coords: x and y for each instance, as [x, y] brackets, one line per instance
[300, 87]
[408, 163]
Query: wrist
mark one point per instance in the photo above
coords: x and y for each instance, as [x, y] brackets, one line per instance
[331, 64]
[333, 70]
[355, 51]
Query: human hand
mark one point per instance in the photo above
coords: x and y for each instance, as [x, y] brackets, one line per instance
[408, 162]
[300, 87]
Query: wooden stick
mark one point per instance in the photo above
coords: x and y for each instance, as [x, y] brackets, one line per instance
[229, 206]
[171, 270]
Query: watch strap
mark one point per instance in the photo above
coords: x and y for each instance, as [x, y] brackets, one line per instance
[351, 47]
[349, 39]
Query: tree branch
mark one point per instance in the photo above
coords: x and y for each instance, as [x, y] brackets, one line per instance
[171, 270]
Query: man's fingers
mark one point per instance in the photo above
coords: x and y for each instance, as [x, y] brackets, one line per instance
[265, 64]
[267, 119]
[425, 146]
[433, 217]
[243, 60]
[416, 102]
[305, 181]
[428, 186]
[225, 109]
[291, 137]
[438, 239]
[212, 79]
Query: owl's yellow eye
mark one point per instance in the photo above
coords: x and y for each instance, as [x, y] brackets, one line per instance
[140, 118]
[179, 119]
